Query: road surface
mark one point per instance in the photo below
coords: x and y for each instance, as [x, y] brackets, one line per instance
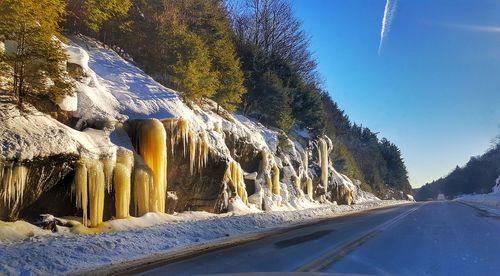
[436, 238]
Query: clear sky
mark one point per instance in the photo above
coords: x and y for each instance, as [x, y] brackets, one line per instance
[434, 89]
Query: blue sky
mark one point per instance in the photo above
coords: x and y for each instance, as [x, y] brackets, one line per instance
[434, 90]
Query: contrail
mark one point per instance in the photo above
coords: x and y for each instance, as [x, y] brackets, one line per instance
[389, 11]
[474, 28]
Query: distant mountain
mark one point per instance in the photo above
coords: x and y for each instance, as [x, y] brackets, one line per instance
[477, 176]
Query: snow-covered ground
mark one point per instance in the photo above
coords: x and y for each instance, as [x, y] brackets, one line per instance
[60, 253]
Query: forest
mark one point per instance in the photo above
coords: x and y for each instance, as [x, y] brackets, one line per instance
[249, 56]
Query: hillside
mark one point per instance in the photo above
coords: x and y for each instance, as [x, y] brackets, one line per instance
[476, 177]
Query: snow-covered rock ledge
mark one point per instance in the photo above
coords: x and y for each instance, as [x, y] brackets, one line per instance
[60, 253]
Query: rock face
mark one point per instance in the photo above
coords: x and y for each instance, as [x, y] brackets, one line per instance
[202, 191]
[42, 174]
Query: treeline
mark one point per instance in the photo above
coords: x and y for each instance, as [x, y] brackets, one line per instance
[477, 176]
[250, 56]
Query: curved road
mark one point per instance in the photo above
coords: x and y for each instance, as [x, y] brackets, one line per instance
[435, 238]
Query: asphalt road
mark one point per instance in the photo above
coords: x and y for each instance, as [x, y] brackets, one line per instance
[435, 238]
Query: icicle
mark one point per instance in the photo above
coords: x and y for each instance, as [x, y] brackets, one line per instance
[323, 157]
[81, 189]
[152, 146]
[143, 179]
[183, 132]
[203, 150]
[192, 151]
[96, 187]
[13, 183]
[264, 162]
[276, 179]
[121, 180]
[109, 165]
[309, 185]
[348, 197]
[234, 176]
[171, 126]
[193, 143]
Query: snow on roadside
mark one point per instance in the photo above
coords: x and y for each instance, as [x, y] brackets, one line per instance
[63, 254]
[492, 199]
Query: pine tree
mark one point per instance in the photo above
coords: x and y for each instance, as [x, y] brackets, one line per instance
[231, 88]
[29, 28]
[189, 64]
[93, 14]
[208, 20]
[277, 102]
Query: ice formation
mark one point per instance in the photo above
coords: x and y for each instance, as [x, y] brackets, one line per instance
[81, 190]
[309, 187]
[276, 179]
[96, 182]
[13, 181]
[143, 179]
[89, 185]
[323, 152]
[109, 165]
[151, 144]
[122, 182]
[194, 143]
[264, 162]
[269, 184]
[234, 176]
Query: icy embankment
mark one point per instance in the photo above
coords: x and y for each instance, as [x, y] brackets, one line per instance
[63, 254]
[491, 200]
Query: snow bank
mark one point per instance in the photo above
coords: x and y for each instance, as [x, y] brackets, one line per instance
[491, 199]
[12, 231]
[62, 254]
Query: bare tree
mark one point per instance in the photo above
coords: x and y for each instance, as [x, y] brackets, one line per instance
[272, 26]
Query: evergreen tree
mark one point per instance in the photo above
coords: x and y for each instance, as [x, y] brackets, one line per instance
[208, 20]
[307, 109]
[231, 88]
[189, 65]
[83, 15]
[29, 28]
[277, 101]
